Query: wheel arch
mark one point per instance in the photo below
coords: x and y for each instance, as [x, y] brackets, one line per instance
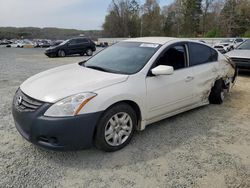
[134, 106]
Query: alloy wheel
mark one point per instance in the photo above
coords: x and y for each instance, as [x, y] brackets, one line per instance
[118, 129]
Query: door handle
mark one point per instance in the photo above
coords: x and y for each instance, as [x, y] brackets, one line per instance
[189, 78]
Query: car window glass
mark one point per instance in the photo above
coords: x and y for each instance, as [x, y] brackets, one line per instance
[244, 46]
[174, 56]
[200, 54]
[72, 42]
[124, 57]
[239, 40]
[214, 55]
[82, 40]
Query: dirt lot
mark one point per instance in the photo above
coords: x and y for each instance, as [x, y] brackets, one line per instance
[205, 147]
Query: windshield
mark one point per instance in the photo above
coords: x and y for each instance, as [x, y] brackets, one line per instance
[227, 40]
[64, 42]
[244, 46]
[123, 57]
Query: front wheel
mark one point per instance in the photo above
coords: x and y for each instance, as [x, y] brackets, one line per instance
[61, 53]
[217, 92]
[115, 128]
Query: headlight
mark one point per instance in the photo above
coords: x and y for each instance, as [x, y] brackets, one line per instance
[69, 106]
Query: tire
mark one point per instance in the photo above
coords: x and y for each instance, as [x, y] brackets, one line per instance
[111, 127]
[217, 92]
[89, 52]
[61, 53]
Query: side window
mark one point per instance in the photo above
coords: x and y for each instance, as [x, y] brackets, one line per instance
[72, 42]
[174, 56]
[214, 55]
[83, 40]
[200, 54]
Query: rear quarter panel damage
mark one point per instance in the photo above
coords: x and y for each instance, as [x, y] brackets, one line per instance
[206, 75]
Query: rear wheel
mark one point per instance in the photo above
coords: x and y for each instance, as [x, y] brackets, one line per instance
[115, 128]
[61, 53]
[217, 92]
[89, 52]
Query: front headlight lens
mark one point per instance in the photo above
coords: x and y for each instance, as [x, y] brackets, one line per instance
[69, 106]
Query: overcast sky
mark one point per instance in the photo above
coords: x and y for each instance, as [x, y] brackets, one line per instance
[77, 14]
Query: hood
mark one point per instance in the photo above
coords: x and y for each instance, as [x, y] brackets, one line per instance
[58, 83]
[52, 47]
[239, 54]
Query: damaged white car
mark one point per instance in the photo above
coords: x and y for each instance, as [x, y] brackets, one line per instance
[121, 89]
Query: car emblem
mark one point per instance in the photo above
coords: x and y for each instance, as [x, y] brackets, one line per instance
[19, 100]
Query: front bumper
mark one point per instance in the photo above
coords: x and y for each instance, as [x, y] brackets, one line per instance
[57, 133]
[50, 53]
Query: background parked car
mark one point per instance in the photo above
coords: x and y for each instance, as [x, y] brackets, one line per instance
[28, 44]
[43, 43]
[241, 55]
[16, 44]
[81, 45]
[5, 42]
[228, 44]
[21, 44]
[221, 48]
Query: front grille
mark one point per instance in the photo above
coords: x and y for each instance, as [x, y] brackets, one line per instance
[25, 103]
[240, 60]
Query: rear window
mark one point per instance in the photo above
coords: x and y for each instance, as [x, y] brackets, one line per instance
[200, 54]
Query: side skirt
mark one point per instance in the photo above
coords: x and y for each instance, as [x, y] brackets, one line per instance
[164, 116]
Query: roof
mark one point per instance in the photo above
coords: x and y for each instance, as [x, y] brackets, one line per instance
[157, 40]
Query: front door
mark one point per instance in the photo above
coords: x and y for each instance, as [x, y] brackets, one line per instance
[169, 93]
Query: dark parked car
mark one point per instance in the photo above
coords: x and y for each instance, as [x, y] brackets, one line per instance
[80, 46]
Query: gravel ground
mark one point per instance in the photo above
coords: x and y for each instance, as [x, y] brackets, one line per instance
[205, 147]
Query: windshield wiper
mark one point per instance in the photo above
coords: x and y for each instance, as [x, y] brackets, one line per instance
[97, 68]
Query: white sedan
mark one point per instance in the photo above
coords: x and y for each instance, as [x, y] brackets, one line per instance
[123, 88]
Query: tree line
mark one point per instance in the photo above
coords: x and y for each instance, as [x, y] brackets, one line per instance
[45, 33]
[182, 18]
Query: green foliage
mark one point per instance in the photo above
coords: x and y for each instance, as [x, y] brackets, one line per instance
[122, 19]
[191, 12]
[235, 17]
[246, 34]
[213, 33]
[151, 19]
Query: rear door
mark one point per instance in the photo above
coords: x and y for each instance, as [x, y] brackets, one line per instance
[204, 63]
[83, 43]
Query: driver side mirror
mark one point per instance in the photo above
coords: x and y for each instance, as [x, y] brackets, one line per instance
[162, 70]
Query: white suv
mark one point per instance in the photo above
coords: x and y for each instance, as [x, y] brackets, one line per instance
[121, 89]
